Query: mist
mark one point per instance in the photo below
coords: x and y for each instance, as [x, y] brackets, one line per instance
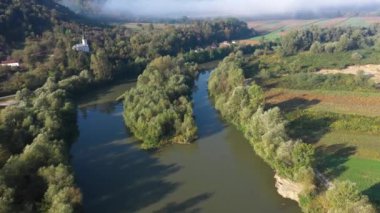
[209, 8]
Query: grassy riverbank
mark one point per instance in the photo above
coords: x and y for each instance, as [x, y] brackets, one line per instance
[278, 143]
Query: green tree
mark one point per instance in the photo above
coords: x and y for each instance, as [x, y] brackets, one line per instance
[101, 66]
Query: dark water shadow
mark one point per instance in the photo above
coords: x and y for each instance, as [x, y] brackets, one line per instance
[189, 205]
[114, 174]
[331, 159]
[126, 180]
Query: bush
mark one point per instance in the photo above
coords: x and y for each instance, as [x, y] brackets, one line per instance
[356, 56]
[345, 197]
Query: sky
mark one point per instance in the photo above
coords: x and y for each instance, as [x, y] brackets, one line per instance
[224, 7]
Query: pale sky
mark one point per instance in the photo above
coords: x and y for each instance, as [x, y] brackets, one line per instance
[224, 7]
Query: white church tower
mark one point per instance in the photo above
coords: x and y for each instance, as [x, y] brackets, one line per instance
[83, 47]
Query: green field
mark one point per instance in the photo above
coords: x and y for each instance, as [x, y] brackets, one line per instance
[348, 146]
[366, 174]
[273, 29]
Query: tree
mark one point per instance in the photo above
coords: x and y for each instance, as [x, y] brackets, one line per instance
[345, 43]
[101, 66]
[316, 47]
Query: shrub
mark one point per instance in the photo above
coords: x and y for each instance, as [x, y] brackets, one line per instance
[356, 56]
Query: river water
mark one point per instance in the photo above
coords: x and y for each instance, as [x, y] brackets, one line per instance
[217, 173]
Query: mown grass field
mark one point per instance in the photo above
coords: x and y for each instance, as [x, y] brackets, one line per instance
[343, 126]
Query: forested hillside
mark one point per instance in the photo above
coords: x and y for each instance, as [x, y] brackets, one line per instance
[21, 19]
[40, 35]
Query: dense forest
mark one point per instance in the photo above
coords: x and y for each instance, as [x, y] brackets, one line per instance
[49, 31]
[330, 40]
[35, 174]
[159, 110]
[36, 133]
[240, 101]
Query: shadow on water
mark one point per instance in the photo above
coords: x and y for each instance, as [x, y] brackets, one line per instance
[331, 159]
[113, 173]
[187, 205]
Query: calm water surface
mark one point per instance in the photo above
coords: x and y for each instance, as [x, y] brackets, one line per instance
[217, 173]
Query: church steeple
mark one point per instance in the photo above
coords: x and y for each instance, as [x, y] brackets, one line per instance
[84, 41]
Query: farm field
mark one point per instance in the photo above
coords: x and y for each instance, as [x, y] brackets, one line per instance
[139, 26]
[343, 126]
[274, 29]
[358, 103]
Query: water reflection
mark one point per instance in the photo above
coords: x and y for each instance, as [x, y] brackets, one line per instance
[207, 119]
[114, 174]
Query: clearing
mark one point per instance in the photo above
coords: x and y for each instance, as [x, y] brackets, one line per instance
[372, 70]
[343, 126]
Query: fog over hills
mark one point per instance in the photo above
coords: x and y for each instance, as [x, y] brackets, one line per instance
[248, 8]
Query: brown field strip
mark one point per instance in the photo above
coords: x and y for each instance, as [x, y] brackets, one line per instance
[367, 104]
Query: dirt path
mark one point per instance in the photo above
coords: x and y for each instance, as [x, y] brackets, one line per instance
[7, 101]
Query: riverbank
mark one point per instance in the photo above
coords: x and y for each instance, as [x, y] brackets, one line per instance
[294, 161]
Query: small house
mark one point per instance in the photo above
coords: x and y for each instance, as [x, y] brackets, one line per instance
[10, 63]
[225, 44]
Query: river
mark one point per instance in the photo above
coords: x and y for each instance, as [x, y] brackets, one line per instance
[217, 173]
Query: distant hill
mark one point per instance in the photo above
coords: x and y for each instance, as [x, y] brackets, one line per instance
[20, 19]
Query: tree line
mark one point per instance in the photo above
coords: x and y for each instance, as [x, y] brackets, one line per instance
[241, 102]
[329, 40]
[35, 134]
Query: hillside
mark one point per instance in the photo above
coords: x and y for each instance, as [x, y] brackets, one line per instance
[20, 19]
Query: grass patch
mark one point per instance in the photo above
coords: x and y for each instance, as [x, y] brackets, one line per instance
[272, 36]
[326, 129]
[366, 174]
[310, 81]
[348, 146]
[310, 62]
